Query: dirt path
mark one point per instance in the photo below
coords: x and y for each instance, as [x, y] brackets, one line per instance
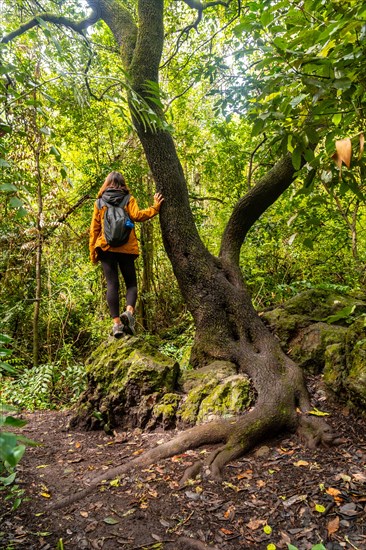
[281, 493]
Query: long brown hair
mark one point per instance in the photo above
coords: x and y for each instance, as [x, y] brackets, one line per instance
[114, 180]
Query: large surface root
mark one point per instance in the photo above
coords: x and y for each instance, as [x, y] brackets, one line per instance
[215, 432]
[236, 438]
[315, 431]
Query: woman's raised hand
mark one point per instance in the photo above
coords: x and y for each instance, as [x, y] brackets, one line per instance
[158, 199]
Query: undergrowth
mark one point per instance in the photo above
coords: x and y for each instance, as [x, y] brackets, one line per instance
[44, 387]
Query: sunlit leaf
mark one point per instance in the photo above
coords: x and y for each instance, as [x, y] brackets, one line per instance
[343, 152]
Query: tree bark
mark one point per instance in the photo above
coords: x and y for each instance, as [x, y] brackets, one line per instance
[38, 263]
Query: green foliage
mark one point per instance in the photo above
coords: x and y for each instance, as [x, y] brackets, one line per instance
[12, 449]
[5, 367]
[45, 387]
[265, 75]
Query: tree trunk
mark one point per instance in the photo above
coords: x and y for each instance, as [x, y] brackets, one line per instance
[227, 326]
[147, 251]
[38, 266]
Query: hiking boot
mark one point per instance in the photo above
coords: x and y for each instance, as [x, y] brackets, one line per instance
[117, 330]
[128, 322]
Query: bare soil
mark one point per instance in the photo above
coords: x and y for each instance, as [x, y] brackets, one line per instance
[281, 493]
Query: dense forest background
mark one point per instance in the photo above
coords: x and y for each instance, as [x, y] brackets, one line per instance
[237, 88]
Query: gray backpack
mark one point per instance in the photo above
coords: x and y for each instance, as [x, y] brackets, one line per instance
[117, 224]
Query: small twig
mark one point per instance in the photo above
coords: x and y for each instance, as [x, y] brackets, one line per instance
[329, 508]
[349, 542]
[182, 522]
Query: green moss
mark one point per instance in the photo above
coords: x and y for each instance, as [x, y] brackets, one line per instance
[127, 378]
[228, 399]
[334, 368]
[284, 324]
[212, 373]
[216, 399]
[167, 407]
[189, 409]
[308, 349]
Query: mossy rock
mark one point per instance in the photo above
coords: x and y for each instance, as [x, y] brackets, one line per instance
[318, 304]
[309, 346]
[334, 368]
[285, 325]
[126, 379]
[230, 398]
[212, 391]
[165, 411]
[345, 367]
[311, 307]
[212, 373]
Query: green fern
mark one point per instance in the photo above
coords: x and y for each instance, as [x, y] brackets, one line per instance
[45, 386]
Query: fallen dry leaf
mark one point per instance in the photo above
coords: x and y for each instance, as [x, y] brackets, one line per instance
[256, 523]
[334, 493]
[226, 531]
[359, 476]
[230, 512]
[245, 475]
[333, 526]
[138, 452]
[301, 463]
[296, 498]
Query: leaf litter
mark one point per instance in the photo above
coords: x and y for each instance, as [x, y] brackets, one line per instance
[280, 494]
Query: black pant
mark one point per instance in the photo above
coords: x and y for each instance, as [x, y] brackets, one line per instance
[126, 262]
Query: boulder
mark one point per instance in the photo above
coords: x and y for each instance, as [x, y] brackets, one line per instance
[126, 378]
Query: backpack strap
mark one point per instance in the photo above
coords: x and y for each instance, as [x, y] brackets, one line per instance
[125, 200]
[100, 203]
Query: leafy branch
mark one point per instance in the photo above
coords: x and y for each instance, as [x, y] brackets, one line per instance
[78, 27]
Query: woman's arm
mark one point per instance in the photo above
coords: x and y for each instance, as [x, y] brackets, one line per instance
[138, 215]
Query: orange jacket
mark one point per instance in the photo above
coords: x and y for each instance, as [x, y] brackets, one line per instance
[97, 240]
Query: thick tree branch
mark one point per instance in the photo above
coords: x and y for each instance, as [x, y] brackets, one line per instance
[249, 208]
[149, 45]
[122, 25]
[56, 20]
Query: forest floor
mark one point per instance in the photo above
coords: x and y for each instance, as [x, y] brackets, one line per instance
[280, 493]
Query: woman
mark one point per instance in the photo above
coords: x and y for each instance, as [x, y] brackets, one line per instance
[112, 192]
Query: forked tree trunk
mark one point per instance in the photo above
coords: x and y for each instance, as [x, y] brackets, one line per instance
[227, 326]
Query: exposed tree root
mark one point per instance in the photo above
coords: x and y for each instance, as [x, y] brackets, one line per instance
[282, 405]
[197, 436]
[236, 436]
[314, 432]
